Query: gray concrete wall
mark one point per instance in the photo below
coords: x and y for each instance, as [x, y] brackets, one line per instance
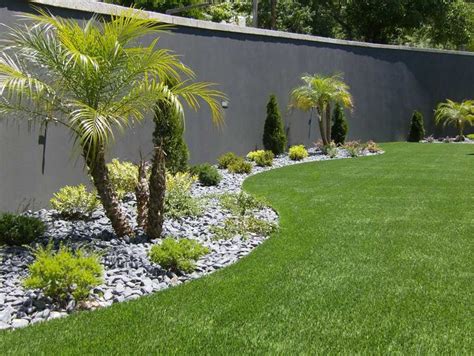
[387, 83]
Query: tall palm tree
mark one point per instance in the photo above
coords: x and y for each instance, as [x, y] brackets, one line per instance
[456, 114]
[94, 79]
[319, 93]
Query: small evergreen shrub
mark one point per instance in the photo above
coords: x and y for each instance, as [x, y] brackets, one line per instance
[178, 199]
[240, 166]
[16, 230]
[274, 138]
[265, 159]
[240, 203]
[169, 132]
[74, 202]
[297, 153]
[417, 129]
[208, 175]
[63, 273]
[242, 226]
[123, 176]
[340, 127]
[225, 160]
[353, 148]
[177, 255]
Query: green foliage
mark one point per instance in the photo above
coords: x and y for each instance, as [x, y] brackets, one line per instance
[417, 128]
[291, 16]
[163, 5]
[74, 202]
[226, 159]
[261, 158]
[63, 273]
[470, 136]
[353, 148]
[16, 230]
[208, 175]
[240, 166]
[297, 152]
[123, 176]
[330, 149]
[178, 200]
[340, 126]
[274, 138]
[177, 255]
[456, 114]
[242, 226]
[169, 131]
[240, 203]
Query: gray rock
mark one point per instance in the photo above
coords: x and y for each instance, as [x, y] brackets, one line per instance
[19, 323]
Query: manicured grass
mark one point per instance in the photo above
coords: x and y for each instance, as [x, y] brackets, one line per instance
[374, 254]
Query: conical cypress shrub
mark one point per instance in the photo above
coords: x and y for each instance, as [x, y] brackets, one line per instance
[340, 127]
[417, 129]
[169, 130]
[274, 138]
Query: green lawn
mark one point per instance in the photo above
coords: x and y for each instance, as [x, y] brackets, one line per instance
[374, 254]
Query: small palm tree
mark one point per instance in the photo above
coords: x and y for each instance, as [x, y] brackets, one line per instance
[320, 93]
[456, 114]
[95, 80]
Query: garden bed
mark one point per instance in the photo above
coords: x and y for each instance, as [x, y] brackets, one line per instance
[129, 273]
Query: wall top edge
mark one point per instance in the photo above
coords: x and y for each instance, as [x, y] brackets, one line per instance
[110, 9]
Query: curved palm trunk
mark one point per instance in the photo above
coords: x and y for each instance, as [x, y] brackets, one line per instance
[328, 123]
[322, 126]
[156, 202]
[100, 177]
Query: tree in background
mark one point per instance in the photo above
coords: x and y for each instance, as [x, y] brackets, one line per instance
[417, 128]
[319, 93]
[456, 114]
[169, 131]
[274, 138]
[339, 126]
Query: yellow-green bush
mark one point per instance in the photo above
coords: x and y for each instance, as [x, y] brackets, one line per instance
[253, 154]
[297, 152]
[240, 166]
[74, 201]
[123, 176]
[242, 226]
[225, 160]
[63, 273]
[178, 199]
[177, 255]
[261, 158]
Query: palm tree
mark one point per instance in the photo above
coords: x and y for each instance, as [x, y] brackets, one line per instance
[319, 93]
[456, 114]
[95, 80]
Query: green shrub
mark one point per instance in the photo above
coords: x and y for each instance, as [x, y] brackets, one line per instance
[470, 136]
[227, 159]
[340, 127]
[178, 200]
[240, 166]
[242, 226]
[330, 149]
[417, 129]
[63, 273]
[240, 203]
[274, 138]
[261, 158]
[208, 175]
[353, 148]
[169, 131]
[74, 202]
[254, 154]
[177, 255]
[297, 153]
[123, 176]
[16, 230]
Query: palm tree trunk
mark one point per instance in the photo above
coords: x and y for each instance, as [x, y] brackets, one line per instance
[328, 123]
[100, 177]
[156, 202]
[322, 126]
[141, 194]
